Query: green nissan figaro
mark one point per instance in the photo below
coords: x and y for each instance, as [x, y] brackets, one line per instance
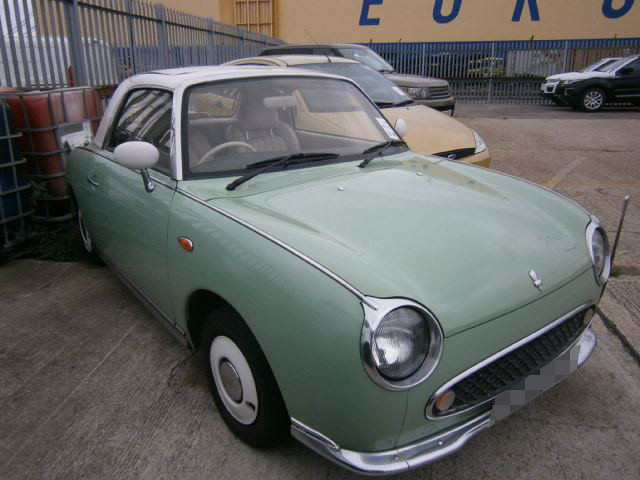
[380, 305]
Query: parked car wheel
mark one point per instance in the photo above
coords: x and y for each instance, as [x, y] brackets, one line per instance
[592, 100]
[558, 102]
[241, 382]
[87, 242]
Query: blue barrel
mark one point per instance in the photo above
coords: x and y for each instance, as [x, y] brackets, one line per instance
[15, 201]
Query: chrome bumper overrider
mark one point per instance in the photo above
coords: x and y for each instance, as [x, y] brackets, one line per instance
[431, 449]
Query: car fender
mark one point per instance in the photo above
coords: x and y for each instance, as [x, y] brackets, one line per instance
[307, 324]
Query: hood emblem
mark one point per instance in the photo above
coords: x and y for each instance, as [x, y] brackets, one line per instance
[537, 282]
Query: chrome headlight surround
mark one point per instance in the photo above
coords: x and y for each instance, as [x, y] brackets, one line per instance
[481, 146]
[375, 310]
[602, 270]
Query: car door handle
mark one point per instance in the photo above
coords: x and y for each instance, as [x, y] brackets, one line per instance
[93, 181]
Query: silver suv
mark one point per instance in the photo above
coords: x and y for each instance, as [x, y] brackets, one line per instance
[432, 92]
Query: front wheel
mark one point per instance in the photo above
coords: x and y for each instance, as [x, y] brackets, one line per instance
[241, 382]
[592, 100]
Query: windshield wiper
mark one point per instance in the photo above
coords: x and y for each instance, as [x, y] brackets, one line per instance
[385, 104]
[376, 151]
[403, 103]
[283, 162]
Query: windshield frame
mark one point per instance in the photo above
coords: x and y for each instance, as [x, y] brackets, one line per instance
[187, 174]
[370, 52]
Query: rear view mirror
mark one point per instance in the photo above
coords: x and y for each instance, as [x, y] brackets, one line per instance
[401, 127]
[138, 156]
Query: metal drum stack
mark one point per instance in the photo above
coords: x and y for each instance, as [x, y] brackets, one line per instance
[15, 204]
[46, 119]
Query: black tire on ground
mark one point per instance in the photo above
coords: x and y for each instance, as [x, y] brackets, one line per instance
[272, 423]
[558, 102]
[592, 100]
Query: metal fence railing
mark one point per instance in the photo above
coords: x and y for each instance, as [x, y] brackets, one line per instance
[505, 71]
[57, 43]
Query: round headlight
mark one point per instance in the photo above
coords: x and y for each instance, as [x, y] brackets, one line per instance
[400, 343]
[599, 251]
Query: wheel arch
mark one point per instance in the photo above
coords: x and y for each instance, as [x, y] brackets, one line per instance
[200, 304]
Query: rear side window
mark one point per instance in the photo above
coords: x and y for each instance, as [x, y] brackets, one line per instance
[146, 117]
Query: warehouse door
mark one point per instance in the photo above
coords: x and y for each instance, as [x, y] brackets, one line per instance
[254, 15]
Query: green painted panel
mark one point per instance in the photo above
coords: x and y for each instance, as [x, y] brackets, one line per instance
[307, 324]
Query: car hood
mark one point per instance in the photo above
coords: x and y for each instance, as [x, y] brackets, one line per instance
[458, 239]
[580, 76]
[403, 80]
[429, 131]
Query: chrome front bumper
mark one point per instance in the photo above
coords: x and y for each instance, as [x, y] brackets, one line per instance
[434, 448]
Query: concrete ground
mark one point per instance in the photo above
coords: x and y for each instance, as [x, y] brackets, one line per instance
[92, 386]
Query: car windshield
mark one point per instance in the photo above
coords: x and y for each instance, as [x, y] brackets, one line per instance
[375, 85]
[612, 67]
[237, 125]
[368, 57]
[597, 66]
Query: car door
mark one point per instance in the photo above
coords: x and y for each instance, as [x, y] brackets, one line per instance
[626, 86]
[134, 230]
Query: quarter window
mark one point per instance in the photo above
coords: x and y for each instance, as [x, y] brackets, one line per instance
[146, 117]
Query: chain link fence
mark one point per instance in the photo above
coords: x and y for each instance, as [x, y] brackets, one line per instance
[501, 72]
[59, 43]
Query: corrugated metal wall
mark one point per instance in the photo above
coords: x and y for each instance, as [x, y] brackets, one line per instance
[53, 43]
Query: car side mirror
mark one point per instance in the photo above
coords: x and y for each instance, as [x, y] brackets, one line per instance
[627, 71]
[138, 156]
[401, 127]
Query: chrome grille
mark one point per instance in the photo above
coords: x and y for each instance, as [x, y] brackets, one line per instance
[501, 374]
[439, 92]
[457, 154]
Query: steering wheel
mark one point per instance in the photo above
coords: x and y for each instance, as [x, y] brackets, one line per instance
[218, 148]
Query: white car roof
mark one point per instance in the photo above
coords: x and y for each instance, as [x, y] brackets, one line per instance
[176, 77]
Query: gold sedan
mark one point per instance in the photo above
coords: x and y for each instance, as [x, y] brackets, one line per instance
[428, 131]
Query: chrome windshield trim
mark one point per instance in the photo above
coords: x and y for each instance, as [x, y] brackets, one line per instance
[426, 450]
[336, 278]
[429, 409]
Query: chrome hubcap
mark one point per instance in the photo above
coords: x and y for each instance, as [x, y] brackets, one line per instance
[593, 100]
[86, 239]
[234, 380]
[230, 381]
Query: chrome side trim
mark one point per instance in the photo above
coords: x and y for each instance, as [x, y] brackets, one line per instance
[429, 408]
[421, 452]
[372, 319]
[160, 182]
[164, 320]
[284, 246]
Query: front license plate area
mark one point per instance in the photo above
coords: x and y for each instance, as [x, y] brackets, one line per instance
[530, 387]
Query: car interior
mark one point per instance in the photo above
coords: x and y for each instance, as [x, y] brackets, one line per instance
[230, 127]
